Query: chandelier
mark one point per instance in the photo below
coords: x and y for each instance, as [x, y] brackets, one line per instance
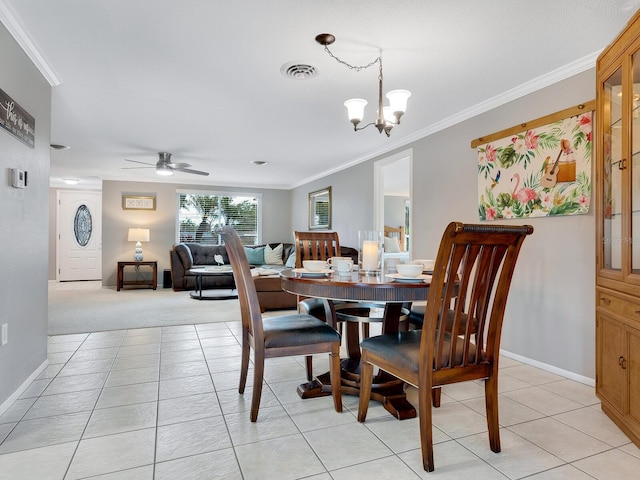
[387, 116]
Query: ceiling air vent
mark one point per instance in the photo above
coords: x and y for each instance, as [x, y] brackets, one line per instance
[299, 71]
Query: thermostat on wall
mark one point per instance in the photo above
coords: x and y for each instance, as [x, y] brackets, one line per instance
[18, 178]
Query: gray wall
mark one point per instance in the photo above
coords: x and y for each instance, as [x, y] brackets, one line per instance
[394, 210]
[276, 221]
[23, 224]
[550, 314]
[351, 199]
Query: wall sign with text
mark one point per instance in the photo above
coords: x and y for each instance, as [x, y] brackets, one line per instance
[16, 120]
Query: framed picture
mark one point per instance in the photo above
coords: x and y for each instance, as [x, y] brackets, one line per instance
[320, 209]
[133, 202]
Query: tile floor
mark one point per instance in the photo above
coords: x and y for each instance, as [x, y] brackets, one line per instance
[162, 403]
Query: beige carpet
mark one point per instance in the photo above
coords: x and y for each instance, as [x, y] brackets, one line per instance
[81, 307]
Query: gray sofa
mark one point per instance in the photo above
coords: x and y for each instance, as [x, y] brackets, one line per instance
[185, 256]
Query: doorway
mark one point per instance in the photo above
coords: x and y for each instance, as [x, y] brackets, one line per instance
[392, 193]
[79, 235]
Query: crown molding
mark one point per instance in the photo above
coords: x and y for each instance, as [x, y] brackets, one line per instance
[555, 76]
[12, 23]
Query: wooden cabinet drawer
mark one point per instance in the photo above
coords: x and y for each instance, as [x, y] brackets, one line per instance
[619, 305]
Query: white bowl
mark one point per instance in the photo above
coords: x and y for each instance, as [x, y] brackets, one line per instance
[314, 265]
[409, 269]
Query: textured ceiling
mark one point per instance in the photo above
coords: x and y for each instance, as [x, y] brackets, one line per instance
[201, 79]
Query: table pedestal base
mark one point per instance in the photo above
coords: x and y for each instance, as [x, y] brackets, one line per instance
[387, 390]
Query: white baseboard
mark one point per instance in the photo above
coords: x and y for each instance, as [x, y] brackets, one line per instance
[21, 389]
[550, 368]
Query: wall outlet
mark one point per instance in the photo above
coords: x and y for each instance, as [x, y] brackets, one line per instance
[5, 333]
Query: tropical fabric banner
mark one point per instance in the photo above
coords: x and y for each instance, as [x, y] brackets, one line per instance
[537, 173]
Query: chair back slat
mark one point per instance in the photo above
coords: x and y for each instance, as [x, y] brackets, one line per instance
[247, 294]
[467, 297]
[316, 246]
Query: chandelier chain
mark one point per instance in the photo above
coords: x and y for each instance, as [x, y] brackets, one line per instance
[357, 68]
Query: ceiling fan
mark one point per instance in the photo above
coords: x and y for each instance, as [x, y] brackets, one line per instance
[166, 167]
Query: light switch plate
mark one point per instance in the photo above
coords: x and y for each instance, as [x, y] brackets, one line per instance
[18, 178]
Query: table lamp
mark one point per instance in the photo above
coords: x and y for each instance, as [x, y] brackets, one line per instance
[138, 235]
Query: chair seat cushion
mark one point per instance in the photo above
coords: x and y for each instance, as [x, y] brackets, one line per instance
[296, 329]
[403, 349]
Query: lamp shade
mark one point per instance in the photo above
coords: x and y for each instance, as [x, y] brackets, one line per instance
[138, 235]
[398, 100]
[355, 108]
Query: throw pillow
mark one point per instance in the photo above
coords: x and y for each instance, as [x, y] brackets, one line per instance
[391, 245]
[273, 256]
[291, 261]
[255, 255]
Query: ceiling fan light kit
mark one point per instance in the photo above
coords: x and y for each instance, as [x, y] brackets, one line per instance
[164, 170]
[387, 116]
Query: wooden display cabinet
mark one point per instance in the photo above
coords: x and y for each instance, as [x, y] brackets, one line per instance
[617, 207]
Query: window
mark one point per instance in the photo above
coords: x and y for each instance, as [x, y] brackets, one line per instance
[200, 215]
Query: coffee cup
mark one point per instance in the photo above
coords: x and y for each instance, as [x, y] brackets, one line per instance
[341, 264]
[314, 265]
[427, 265]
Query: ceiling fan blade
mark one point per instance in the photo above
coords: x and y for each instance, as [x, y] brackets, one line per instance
[136, 168]
[178, 165]
[189, 170]
[137, 161]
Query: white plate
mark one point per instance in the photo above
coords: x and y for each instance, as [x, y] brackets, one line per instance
[399, 278]
[306, 273]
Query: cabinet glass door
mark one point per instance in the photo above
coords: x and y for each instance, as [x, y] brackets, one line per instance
[613, 167]
[635, 164]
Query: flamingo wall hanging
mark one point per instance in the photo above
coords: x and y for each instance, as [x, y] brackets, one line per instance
[539, 172]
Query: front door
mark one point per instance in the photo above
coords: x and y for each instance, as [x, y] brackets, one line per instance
[79, 229]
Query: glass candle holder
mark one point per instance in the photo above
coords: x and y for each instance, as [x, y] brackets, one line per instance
[370, 248]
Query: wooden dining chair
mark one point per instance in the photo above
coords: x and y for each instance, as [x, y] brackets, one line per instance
[468, 294]
[281, 336]
[314, 246]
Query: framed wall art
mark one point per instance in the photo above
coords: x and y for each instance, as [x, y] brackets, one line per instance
[136, 202]
[542, 170]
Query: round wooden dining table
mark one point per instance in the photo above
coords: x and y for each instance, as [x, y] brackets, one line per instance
[334, 289]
